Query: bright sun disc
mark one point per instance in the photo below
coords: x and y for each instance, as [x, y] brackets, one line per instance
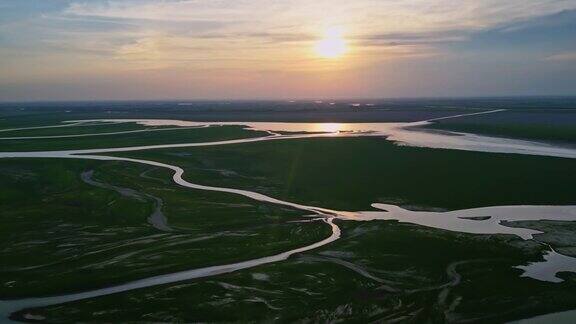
[332, 45]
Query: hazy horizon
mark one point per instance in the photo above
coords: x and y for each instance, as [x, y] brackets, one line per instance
[295, 100]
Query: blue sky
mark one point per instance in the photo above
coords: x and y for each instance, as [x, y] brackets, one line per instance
[223, 49]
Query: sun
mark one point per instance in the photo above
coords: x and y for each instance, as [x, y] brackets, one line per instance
[332, 45]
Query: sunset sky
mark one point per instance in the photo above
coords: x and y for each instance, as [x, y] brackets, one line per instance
[289, 49]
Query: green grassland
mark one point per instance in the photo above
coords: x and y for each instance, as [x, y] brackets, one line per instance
[378, 271]
[352, 173]
[21, 119]
[91, 128]
[184, 135]
[61, 235]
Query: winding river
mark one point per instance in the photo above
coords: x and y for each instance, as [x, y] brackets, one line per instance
[487, 220]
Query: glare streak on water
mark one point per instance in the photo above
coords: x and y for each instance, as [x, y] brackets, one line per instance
[485, 220]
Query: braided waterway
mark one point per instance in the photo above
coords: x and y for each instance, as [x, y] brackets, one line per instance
[486, 220]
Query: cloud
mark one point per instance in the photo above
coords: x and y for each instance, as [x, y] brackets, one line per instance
[537, 35]
[213, 39]
[412, 38]
[475, 11]
[174, 11]
[416, 25]
[370, 23]
[571, 56]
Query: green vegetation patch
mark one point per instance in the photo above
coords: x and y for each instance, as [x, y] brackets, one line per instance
[184, 135]
[378, 271]
[60, 234]
[89, 128]
[353, 173]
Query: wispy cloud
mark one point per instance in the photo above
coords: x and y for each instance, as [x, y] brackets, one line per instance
[369, 23]
[571, 56]
[406, 12]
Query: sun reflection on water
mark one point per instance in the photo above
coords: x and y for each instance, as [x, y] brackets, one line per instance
[328, 127]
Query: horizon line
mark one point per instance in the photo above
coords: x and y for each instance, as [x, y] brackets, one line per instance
[288, 100]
